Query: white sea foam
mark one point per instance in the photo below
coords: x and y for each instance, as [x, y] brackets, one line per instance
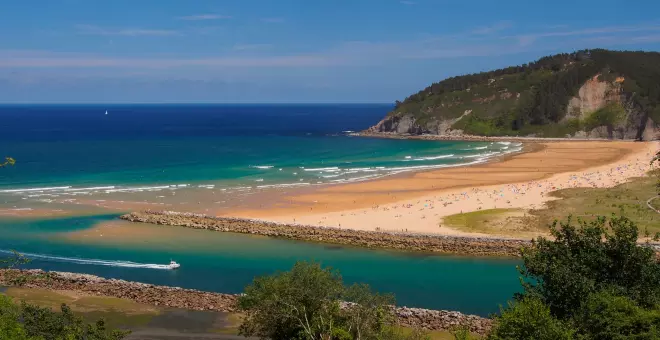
[127, 264]
[282, 185]
[261, 166]
[504, 143]
[323, 169]
[34, 189]
[89, 189]
[433, 158]
[136, 189]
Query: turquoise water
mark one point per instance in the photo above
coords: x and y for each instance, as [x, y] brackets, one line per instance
[66, 153]
[226, 262]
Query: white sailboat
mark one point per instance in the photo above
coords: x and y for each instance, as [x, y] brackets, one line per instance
[106, 112]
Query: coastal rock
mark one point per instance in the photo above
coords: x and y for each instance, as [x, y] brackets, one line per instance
[139, 292]
[369, 239]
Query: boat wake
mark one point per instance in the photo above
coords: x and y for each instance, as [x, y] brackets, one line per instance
[125, 264]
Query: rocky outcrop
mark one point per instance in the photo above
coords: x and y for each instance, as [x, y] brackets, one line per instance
[593, 95]
[173, 297]
[597, 94]
[402, 124]
[359, 238]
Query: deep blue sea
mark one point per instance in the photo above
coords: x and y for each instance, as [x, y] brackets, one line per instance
[79, 151]
[72, 150]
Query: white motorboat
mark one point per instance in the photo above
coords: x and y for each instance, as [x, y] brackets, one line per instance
[173, 265]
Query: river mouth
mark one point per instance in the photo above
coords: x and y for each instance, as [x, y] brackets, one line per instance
[226, 262]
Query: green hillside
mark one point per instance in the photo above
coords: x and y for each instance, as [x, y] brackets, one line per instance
[534, 98]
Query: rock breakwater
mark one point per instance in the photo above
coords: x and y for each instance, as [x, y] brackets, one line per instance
[174, 297]
[148, 294]
[358, 238]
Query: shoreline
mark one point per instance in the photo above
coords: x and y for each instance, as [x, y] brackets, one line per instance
[475, 138]
[421, 199]
[191, 299]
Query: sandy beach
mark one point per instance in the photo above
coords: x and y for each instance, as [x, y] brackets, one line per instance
[414, 202]
[417, 202]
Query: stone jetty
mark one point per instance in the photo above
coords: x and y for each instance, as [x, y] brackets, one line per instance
[478, 246]
[174, 297]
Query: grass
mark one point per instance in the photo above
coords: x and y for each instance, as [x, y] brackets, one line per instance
[116, 312]
[494, 221]
[628, 199]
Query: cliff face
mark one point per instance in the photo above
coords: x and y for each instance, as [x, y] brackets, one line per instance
[575, 95]
[594, 95]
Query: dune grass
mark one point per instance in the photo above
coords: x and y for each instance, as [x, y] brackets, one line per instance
[628, 199]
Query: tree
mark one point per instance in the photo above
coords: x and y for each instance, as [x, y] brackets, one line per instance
[607, 316]
[591, 281]
[580, 261]
[16, 259]
[8, 161]
[369, 314]
[529, 319]
[301, 303]
[312, 302]
[10, 327]
[43, 323]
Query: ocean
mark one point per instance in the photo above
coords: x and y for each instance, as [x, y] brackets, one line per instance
[67, 152]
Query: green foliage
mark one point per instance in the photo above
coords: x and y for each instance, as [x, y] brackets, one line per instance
[45, 324]
[609, 116]
[524, 99]
[304, 303]
[10, 327]
[29, 322]
[589, 258]
[606, 315]
[592, 281]
[14, 260]
[8, 162]
[299, 304]
[529, 319]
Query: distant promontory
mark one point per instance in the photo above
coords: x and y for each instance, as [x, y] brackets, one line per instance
[585, 94]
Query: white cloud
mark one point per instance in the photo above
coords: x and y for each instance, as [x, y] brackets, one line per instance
[199, 17]
[133, 32]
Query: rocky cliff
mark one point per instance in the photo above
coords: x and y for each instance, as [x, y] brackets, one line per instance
[577, 96]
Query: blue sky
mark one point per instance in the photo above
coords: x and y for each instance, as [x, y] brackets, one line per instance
[273, 51]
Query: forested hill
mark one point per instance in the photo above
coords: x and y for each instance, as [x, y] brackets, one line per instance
[589, 94]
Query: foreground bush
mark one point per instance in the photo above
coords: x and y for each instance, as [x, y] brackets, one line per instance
[591, 281]
[29, 322]
[306, 303]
